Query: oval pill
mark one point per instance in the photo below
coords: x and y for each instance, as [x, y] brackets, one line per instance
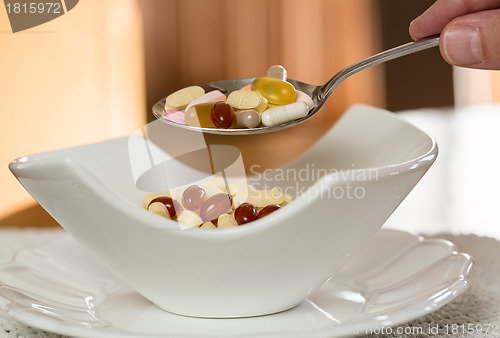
[179, 100]
[247, 118]
[215, 206]
[247, 99]
[213, 96]
[274, 90]
[287, 113]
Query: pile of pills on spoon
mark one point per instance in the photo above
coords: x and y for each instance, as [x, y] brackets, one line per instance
[268, 101]
[214, 205]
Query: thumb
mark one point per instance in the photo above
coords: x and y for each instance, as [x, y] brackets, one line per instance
[473, 40]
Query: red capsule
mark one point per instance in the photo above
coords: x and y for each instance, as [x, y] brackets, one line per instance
[215, 206]
[222, 115]
[171, 204]
[267, 210]
[193, 197]
[245, 213]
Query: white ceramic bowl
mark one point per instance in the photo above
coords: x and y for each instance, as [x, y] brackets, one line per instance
[368, 162]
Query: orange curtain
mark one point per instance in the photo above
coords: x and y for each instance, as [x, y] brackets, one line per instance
[71, 81]
[198, 41]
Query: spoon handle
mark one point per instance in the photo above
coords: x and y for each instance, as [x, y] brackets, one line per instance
[390, 54]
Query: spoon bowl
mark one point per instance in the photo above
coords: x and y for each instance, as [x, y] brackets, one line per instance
[228, 86]
[319, 94]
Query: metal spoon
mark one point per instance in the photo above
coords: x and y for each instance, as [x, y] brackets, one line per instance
[319, 94]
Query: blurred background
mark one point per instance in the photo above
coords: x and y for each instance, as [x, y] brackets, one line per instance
[95, 72]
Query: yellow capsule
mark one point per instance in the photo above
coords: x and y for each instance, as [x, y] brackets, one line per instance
[199, 115]
[275, 91]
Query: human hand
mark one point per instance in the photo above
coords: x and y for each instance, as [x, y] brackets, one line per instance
[470, 31]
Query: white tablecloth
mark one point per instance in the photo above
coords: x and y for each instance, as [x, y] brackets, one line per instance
[479, 305]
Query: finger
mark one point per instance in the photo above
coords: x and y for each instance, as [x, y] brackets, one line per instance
[473, 40]
[436, 17]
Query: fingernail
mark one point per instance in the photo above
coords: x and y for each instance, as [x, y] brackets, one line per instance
[462, 46]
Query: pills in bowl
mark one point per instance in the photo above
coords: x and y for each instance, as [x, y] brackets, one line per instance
[268, 101]
[212, 205]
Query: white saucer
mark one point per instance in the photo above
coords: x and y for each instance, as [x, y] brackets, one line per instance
[63, 288]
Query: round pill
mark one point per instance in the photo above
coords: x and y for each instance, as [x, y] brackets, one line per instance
[247, 99]
[247, 118]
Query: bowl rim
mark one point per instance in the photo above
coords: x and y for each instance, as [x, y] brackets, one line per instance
[158, 223]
